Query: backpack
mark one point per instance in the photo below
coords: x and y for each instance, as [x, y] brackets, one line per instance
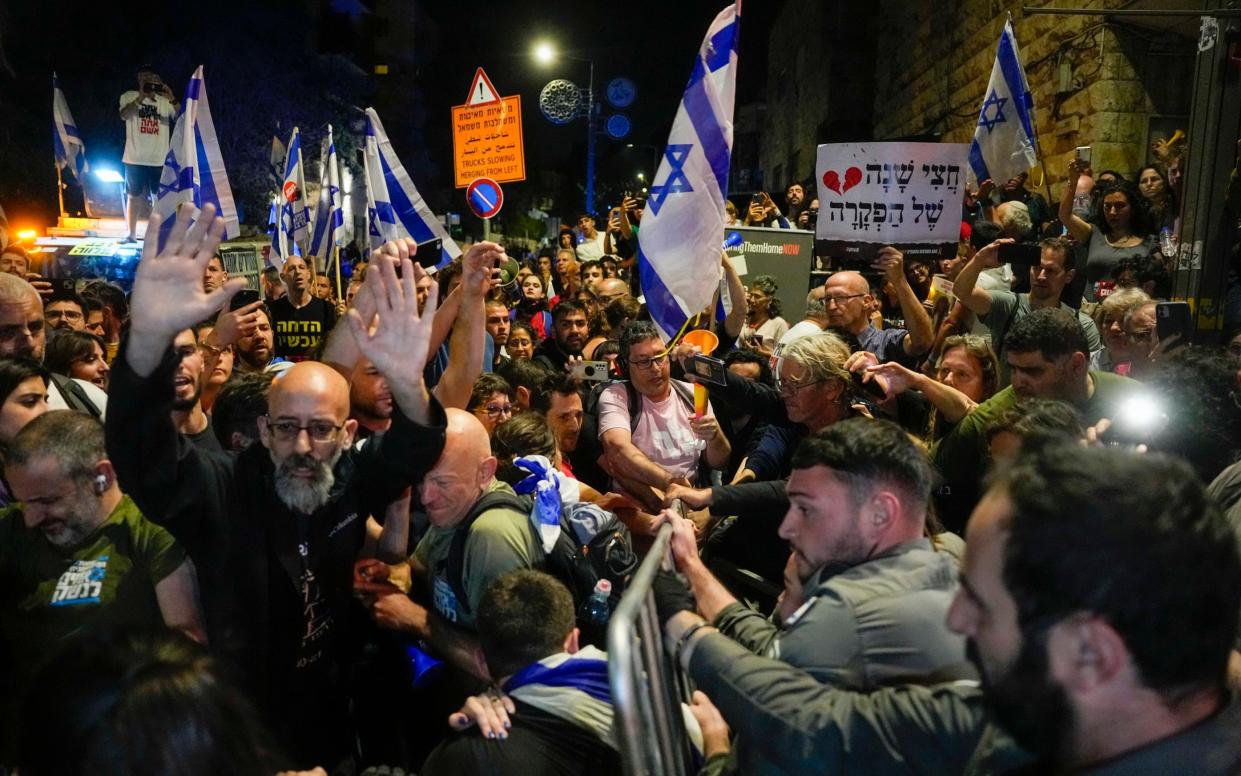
[582, 556]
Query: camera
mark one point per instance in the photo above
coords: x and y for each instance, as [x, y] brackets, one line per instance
[596, 371]
[756, 199]
[1083, 153]
[1021, 254]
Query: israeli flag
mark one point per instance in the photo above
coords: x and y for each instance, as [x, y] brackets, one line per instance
[1004, 144]
[329, 218]
[293, 223]
[68, 146]
[394, 208]
[679, 242]
[194, 169]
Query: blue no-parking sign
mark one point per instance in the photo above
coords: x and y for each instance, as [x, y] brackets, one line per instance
[485, 197]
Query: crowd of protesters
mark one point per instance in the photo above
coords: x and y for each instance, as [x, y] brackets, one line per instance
[951, 517]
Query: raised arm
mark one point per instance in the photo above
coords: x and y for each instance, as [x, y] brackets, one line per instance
[1078, 229]
[736, 293]
[950, 402]
[468, 331]
[966, 289]
[170, 480]
[917, 322]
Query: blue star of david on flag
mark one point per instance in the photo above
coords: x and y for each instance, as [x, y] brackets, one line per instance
[993, 100]
[676, 182]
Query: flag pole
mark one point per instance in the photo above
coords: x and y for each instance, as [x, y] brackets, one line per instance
[60, 190]
[340, 297]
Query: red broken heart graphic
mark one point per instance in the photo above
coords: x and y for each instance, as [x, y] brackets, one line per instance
[831, 179]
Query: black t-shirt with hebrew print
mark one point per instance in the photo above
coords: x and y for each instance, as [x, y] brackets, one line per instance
[300, 330]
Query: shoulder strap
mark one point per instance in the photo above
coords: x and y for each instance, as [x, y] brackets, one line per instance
[686, 392]
[1008, 323]
[75, 396]
[635, 406]
[456, 550]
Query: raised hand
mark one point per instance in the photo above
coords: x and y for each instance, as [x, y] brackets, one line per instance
[893, 377]
[989, 255]
[891, 262]
[231, 326]
[399, 343]
[168, 294]
[476, 266]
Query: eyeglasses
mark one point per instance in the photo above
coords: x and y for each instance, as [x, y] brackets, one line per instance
[496, 410]
[788, 389]
[647, 363]
[68, 315]
[288, 430]
[829, 299]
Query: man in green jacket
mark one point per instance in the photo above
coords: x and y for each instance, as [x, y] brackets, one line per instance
[1100, 595]
[1048, 358]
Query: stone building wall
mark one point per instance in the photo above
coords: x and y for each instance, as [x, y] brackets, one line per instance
[1093, 84]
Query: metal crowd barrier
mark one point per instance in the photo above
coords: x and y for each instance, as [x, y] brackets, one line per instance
[645, 692]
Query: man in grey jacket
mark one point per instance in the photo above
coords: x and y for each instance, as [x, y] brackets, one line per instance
[866, 593]
[1100, 595]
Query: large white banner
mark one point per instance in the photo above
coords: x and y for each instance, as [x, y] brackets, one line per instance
[903, 194]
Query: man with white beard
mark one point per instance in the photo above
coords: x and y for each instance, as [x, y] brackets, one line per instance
[277, 528]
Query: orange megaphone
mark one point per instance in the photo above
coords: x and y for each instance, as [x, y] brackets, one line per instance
[703, 338]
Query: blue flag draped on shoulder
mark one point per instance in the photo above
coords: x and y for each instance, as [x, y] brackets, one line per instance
[394, 208]
[67, 143]
[292, 235]
[679, 242]
[329, 218]
[194, 169]
[1004, 144]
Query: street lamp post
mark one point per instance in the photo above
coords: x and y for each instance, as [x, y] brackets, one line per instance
[546, 54]
[590, 141]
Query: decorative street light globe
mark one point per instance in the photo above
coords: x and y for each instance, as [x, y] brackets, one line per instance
[560, 101]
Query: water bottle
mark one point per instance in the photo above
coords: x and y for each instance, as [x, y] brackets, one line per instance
[599, 608]
[1168, 243]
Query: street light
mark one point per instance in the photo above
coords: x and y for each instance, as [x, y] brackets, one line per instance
[546, 54]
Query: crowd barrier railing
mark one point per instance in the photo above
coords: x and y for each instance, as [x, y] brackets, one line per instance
[645, 690]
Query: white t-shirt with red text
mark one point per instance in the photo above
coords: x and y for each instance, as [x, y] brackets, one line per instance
[148, 129]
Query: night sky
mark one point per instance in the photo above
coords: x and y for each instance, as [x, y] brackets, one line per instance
[293, 61]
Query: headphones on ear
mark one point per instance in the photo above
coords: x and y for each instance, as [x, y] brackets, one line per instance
[101, 484]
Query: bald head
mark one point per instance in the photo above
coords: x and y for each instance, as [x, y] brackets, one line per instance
[21, 319]
[464, 470]
[847, 301]
[16, 290]
[610, 288]
[849, 280]
[465, 438]
[310, 383]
